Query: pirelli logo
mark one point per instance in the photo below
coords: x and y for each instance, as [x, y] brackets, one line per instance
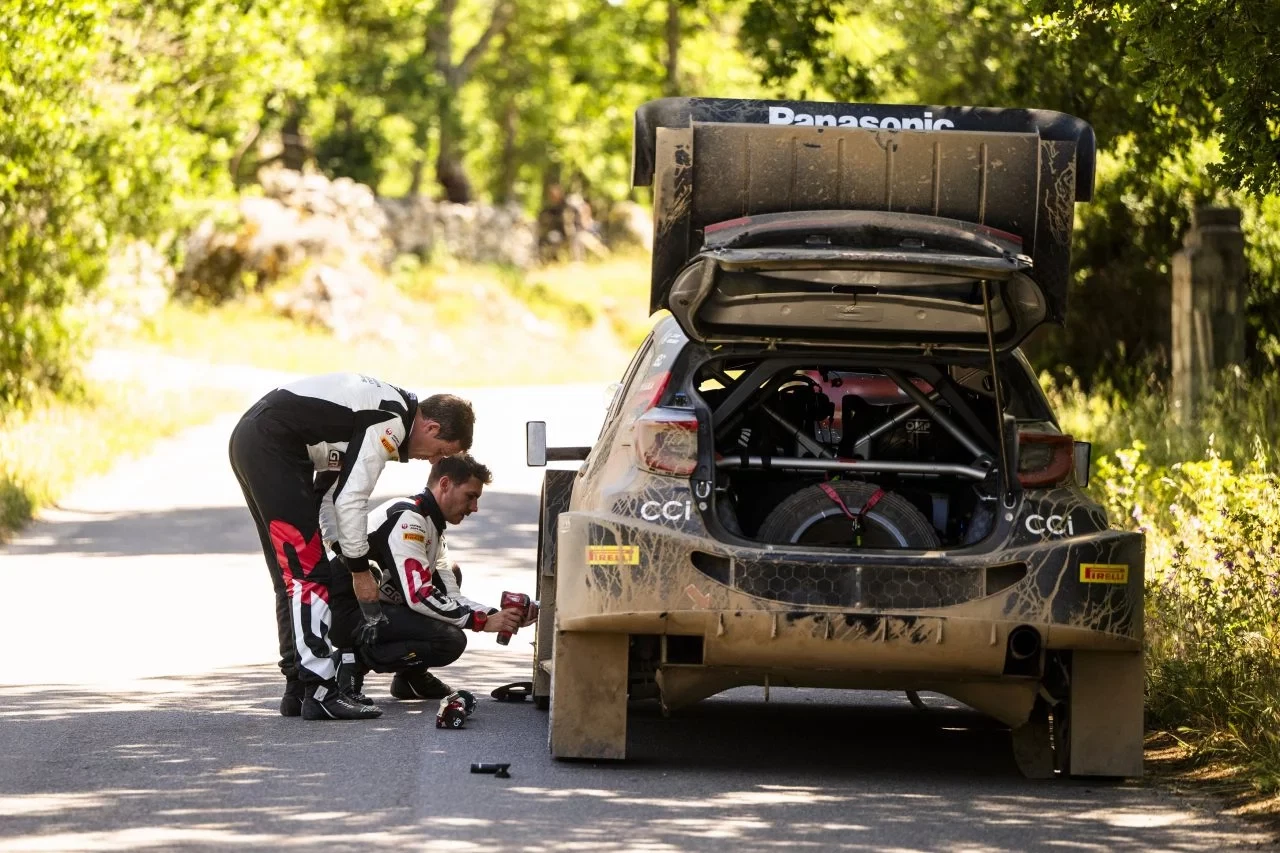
[415, 537]
[613, 555]
[1103, 573]
[389, 445]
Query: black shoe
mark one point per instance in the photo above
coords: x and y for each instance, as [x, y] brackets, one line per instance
[418, 685]
[291, 701]
[326, 703]
[350, 679]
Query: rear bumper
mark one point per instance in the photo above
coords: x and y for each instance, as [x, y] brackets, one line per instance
[616, 576]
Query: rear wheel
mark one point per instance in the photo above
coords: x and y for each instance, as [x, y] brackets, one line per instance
[556, 489]
[1060, 725]
[1033, 743]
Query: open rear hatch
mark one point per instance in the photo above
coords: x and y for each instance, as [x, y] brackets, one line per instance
[856, 277]
[845, 233]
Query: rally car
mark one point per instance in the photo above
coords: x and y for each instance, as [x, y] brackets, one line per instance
[829, 464]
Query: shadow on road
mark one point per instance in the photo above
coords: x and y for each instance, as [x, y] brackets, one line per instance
[206, 762]
[506, 522]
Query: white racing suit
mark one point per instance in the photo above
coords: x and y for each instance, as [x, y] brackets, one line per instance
[420, 590]
[307, 455]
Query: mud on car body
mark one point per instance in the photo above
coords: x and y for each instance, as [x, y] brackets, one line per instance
[829, 464]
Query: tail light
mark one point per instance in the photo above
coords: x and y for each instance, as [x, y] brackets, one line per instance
[666, 441]
[1044, 459]
[650, 391]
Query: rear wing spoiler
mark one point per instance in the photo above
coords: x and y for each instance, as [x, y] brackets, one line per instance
[711, 160]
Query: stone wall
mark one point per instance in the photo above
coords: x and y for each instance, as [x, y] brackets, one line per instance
[339, 239]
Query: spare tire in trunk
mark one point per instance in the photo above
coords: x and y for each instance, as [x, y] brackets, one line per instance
[812, 516]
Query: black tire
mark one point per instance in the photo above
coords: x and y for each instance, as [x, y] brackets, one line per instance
[811, 517]
[1060, 725]
[1033, 743]
[557, 487]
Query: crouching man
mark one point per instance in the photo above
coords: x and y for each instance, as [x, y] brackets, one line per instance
[420, 587]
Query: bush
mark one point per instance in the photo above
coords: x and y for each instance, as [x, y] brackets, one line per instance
[1240, 421]
[1207, 496]
[1213, 599]
[113, 113]
[51, 237]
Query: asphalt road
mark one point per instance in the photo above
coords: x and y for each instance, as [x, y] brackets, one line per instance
[138, 709]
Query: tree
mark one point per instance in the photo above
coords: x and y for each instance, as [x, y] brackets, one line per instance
[113, 113]
[455, 73]
[1219, 52]
[53, 171]
[554, 103]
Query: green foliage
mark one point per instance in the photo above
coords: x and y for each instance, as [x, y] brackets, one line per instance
[1207, 496]
[549, 101]
[200, 77]
[51, 238]
[1240, 423]
[1215, 52]
[113, 115]
[145, 110]
[1213, 600]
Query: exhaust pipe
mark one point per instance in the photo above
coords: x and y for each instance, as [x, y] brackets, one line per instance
[1024, 643]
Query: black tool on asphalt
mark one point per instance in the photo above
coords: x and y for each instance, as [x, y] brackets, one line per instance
[498, 770]
[516, 691]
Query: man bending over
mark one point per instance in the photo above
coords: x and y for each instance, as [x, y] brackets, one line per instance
[307, 456]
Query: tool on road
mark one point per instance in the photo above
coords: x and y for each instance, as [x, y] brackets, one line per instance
[516, 691]
[452, 713]
[466, 697]
[455, 708]
[498, 770]
[518, 602]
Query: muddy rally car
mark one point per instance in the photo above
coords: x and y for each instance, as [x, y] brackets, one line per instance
[829, 464]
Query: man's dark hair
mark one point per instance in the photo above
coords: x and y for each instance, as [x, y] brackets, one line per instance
[456, 417]
[460, 469]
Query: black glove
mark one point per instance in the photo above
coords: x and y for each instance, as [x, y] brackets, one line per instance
[367, 633]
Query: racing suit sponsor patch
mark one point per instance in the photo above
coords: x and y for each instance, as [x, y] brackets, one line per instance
[335, 460]
[415, 537]
[390, 446]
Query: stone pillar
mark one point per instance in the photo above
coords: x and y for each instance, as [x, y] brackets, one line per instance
[1208, 303]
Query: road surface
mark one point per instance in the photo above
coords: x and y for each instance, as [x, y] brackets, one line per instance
[138, 709]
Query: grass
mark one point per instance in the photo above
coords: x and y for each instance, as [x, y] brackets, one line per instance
[1241, 420]
[444, 324]
[249, 332]
[44, 450]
